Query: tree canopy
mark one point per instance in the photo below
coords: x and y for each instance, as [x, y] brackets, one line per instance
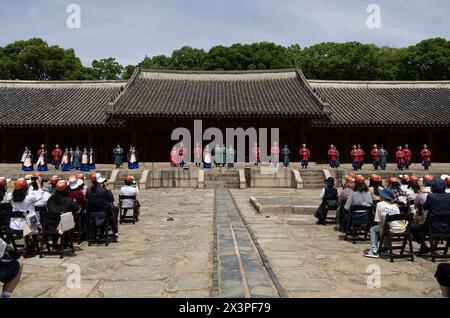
[34, 59]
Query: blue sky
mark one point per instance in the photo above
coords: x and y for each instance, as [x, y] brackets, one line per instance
[130, 29]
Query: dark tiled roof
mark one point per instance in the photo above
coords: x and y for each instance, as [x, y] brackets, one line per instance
[225, 94]
[53, 104]
[385, 103]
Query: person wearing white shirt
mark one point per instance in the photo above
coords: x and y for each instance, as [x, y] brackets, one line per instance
[5, 197]
[130, 189]
[22, 201]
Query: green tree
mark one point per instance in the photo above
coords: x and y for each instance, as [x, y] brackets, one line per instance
[188, 58]
[160, 62]
[128, 71]
[107, 69]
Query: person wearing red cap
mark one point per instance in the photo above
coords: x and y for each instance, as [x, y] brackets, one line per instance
[305, 153]
[360, 197]
[5, 196]
[375, 153]
[52, 184]
[400, 158]
[60, 202]
[42, 159]
[375, 186]
[354, 155]
[408, 156]
[130, 189]
[332, 156]
[425, 154]
[56, 154]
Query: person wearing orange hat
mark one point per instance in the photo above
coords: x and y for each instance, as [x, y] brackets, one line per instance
[347, 190]
[5, 196]
[60, 202]
[359, 197]
[375, 186]
[414, 183]
[425, 155]
[52, 182]
[130, 189]
[42, 159]
[401, 197]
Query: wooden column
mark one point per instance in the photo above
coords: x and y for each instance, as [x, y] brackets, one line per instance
[90, 138]
[4, 157]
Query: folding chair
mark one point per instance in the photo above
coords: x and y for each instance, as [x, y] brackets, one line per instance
[342, 213]
[331, 204]
[13, 235]
[123, 211]
[404, 237]
[356, 220]
[436, 237]
[50, 222]
[99, 228]
[5, 209]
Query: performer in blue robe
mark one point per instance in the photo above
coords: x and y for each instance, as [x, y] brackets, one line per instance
[84, 160]
[65, 161]
[230, 156]
[72, 167]
[133, 158]
[91, 159]
[118, 156]
[77, 158]
[27, 160]
[285, 153]
[42, 159]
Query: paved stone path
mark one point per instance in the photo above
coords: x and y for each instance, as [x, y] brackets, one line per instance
[240, 270]
[313, 261]
[153, 258]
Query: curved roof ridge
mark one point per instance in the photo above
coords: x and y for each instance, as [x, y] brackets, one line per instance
[379, 84]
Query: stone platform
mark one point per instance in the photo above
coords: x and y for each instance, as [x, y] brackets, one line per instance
[285, 205]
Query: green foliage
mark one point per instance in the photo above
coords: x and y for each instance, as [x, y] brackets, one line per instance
[427, 60]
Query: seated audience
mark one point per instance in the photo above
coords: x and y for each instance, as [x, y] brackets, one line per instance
[76, 191]
[5, 196]
[437, 203]
[421, 197]
[10, 269]
[52, 184]
[359, 197]
[342, 198]
[37, 185]
[386, 206]
[22, 201]
[329, 195]
[375, 186]
[130, 189]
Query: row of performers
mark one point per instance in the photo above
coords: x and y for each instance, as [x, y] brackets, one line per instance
[68, 160]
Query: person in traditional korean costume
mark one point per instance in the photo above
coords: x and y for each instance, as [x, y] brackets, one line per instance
[338, 157]
[361, 154]
[207, 158]
[133, 158]
[174, 157]
[224, 153]
[27, 163]
[255, 154]
[332, 156]
[354, 155]
[218, 155]
[230, 156]
[375, 153]
[42, 159]
[383, 158]
[118, 156]
[304, 156]
[56, 157]
[285, 153]
[85, 160]
[275, 154]
[65, 161]
[71, 158]
[198, 155]
[91, 159]
[22, 159]
[77, 158]
[408, 155]
[425, 155]
[181, 153]
[400, 158]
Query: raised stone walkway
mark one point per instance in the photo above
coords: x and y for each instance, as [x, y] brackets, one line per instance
[241, 272]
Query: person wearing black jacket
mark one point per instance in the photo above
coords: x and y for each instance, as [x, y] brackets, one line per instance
[437, 203]
[329, 194]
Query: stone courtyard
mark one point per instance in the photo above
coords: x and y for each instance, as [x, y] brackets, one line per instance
[213, 243]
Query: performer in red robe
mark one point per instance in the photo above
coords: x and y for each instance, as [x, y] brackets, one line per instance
[354, 155]
[255, 154]
[304, 156]
[400, 158]
[408, 155]
[425, 154]
[275, 154]
[181, 153]
[376, 157]
[361, 154]
[198, 155]
[56, 154]
[332, 156]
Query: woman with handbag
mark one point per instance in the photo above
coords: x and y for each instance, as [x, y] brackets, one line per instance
[10, 269]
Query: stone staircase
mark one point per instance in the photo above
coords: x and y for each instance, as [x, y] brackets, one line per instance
[312, 179]
[222, 178]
